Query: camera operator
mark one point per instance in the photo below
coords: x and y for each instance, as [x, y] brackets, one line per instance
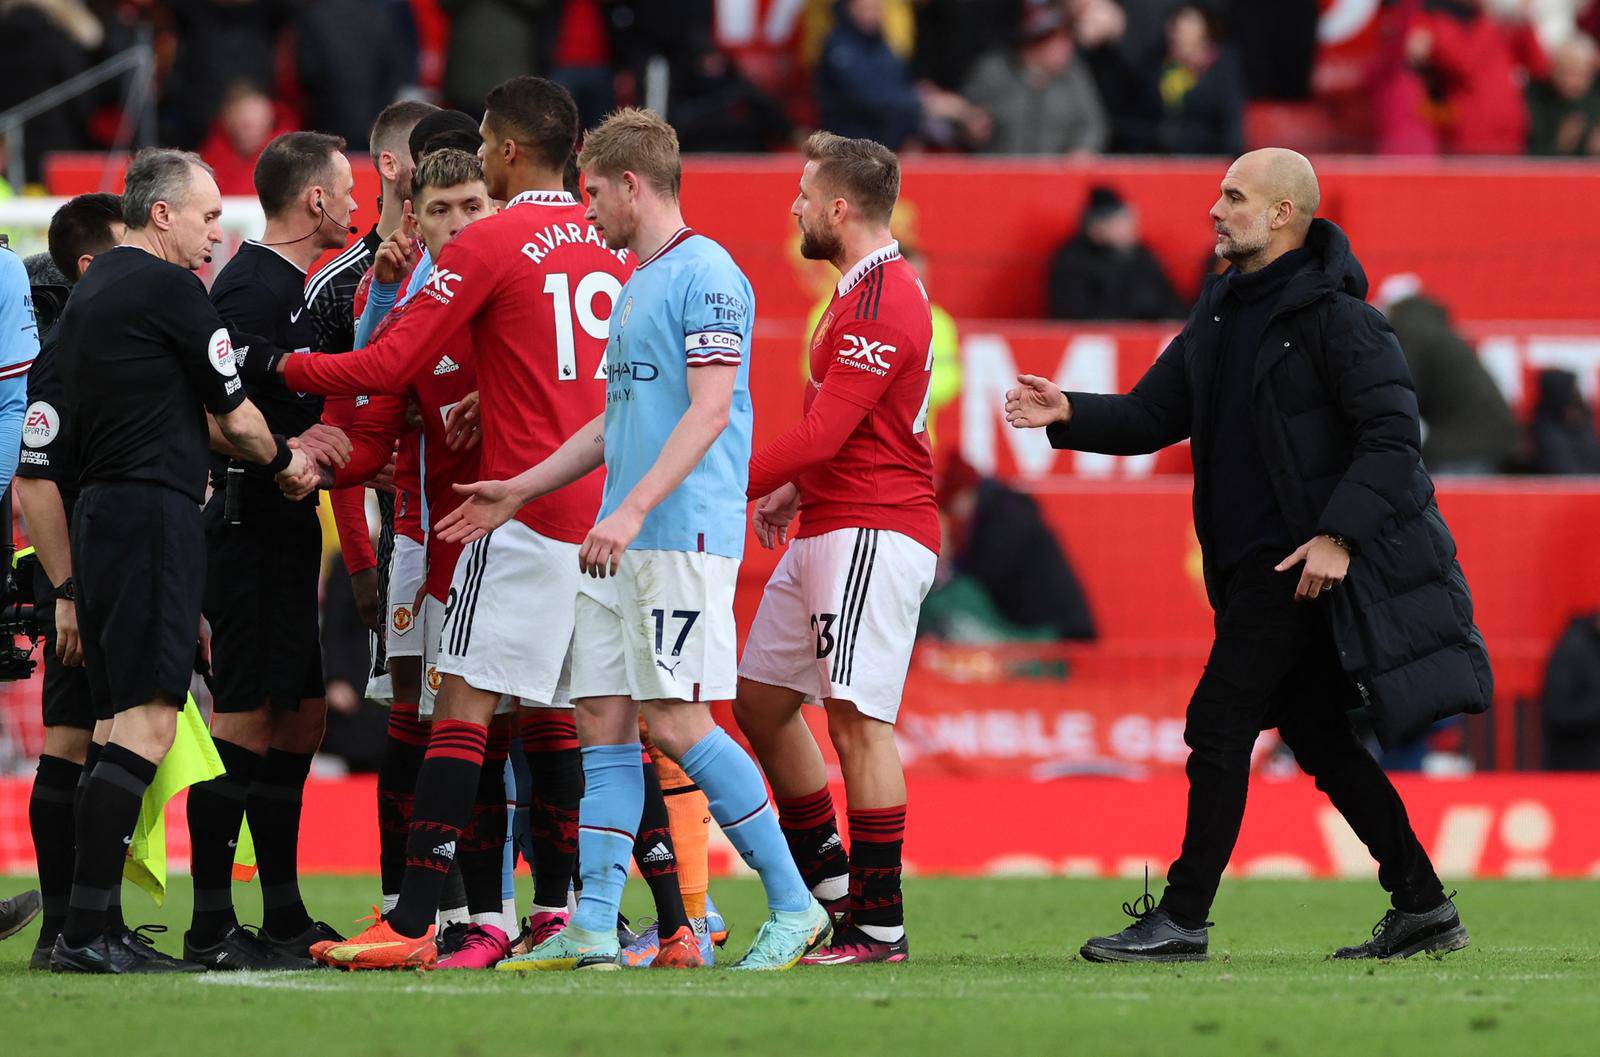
[263, 563]
[144, 357]
[47, 489]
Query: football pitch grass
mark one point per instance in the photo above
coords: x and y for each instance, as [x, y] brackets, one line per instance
[995, 970]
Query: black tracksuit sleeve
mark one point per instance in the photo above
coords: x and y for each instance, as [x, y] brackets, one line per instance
[1372, 390]
[1157, 413]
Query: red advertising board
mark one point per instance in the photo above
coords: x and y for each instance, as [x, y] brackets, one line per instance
[1495, 240]
[1500, 239]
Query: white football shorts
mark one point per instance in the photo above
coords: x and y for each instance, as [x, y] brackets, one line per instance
[508, 621]
[407, 567]
[661, 629]
[838, 618]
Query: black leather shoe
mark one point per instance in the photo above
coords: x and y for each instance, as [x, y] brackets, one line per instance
[16, 912]
[139, 940]
[237, 948]
[1400, 934]
[1153, 937]
[114, 953]
[298, 946]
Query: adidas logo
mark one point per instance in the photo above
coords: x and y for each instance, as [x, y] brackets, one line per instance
[445, 366]
[447, 850]
[831, 843]
[659, 853]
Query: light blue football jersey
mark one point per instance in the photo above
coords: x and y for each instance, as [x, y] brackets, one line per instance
[688, 305]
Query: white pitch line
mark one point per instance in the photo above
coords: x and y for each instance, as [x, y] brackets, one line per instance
[296, 981]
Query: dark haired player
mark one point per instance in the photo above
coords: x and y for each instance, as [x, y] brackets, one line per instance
[263, 562]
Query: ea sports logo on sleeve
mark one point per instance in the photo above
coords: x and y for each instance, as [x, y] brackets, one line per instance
[40, 425]
[219, 350]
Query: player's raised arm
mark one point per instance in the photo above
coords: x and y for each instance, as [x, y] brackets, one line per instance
[460, 284]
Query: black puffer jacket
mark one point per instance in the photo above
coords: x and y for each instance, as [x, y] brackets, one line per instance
[1336, 421]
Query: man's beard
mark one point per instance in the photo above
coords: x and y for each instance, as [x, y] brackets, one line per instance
[819, 245]
[1241, 247]
[1238, 250]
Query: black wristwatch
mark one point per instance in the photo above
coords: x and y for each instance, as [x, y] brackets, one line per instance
[66, 592]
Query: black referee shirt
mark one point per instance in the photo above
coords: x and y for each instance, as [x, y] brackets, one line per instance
[46, 444]
[143, 356]
[260, 293]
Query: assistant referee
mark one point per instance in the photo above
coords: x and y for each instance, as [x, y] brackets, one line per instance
[145, 357]
[263, 560]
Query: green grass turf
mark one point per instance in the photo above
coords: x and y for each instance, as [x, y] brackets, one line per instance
[996, 971]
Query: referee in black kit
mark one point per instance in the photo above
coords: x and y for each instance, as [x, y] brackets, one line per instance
[263, 563]
[145, 357]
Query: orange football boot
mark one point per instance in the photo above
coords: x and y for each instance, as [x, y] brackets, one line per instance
[681, 950]
[380, 947]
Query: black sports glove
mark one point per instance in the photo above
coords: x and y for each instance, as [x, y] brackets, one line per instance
[255, 357]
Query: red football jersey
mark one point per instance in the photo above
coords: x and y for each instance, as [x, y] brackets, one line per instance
[535, 284]
[407, 459]
[861, 457]
[383, 420]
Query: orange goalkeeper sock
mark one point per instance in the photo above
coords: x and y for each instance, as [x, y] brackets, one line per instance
[688, 817]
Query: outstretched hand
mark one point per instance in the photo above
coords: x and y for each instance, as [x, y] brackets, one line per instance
[1036, 402]
[489, 505]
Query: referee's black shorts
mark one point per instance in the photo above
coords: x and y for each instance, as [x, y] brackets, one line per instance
[261, 600]
[66, 698]
[136, 560]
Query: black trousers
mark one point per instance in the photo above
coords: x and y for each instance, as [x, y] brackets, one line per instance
[1273, 664]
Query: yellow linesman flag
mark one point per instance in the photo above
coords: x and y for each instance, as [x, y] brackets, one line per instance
[192, 758]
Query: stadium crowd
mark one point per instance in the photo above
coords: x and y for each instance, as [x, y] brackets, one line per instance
[1206, 77]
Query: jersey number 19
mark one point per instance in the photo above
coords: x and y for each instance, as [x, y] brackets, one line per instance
[567, 303]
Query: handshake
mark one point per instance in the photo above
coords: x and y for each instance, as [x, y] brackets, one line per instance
[315, 455]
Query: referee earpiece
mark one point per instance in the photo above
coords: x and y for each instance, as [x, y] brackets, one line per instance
[351, 228]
